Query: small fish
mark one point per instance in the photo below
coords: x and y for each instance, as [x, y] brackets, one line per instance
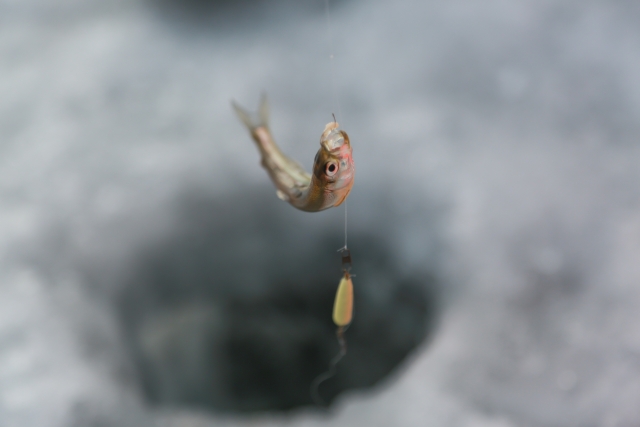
[333, 168]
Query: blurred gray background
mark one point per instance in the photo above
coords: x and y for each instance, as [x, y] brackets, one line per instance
[149, 276]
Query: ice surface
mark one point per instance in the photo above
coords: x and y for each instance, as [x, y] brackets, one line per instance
[496, 146]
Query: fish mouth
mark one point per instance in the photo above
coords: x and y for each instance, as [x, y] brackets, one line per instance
[333, 139]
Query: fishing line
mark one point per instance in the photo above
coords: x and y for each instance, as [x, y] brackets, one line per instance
[343, 303]
[345, 224]
[334, 91]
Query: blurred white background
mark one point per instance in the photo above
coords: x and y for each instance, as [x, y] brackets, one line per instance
[497, 149]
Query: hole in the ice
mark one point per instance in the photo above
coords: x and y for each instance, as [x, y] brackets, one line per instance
[231, 310]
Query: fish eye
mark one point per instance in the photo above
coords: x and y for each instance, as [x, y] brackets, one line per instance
[331, 168]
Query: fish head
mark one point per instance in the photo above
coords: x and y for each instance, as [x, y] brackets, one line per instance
[333, 165]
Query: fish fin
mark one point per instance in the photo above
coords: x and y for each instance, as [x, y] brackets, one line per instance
[263, 111]
[253, 121]
[282, 196]
[244, 116]
[295, 192]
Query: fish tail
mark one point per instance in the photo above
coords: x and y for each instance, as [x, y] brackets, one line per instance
[263, 111]
[253, 121]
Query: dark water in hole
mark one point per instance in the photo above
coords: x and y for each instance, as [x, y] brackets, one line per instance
[231, 310]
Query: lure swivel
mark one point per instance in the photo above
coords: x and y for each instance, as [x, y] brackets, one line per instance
[346, 259]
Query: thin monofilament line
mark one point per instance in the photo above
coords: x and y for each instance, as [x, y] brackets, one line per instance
[345, 224]
[334, 92]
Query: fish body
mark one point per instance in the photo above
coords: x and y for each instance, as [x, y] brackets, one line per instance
[333, 169]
